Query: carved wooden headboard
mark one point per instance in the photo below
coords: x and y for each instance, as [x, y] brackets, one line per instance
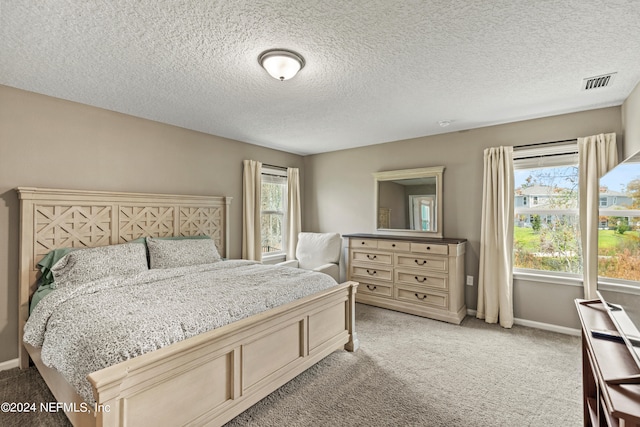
[51, 219]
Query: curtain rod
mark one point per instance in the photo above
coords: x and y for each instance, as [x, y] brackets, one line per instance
[537, 144]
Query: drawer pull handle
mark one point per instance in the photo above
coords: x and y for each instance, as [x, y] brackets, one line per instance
[370, 257]
[424, 279]
[362, 243]
[423, 297]
[372, 288]
[370, 273]
[393, 245]
[424, 261]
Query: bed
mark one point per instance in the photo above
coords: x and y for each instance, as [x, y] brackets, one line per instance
[206, 379]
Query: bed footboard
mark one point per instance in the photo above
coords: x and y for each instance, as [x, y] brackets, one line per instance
[211, 378]
[206, 379]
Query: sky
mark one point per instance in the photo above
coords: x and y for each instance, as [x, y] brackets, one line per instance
[615, 180]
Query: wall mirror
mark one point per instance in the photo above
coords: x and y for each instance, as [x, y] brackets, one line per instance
[409, 201]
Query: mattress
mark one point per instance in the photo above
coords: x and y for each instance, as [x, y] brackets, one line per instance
[90, 326]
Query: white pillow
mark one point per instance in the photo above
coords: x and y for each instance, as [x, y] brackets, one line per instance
[91, 264]
[181, 253]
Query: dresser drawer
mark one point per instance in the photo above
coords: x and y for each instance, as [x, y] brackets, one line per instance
[363, 243]
[422, 298]
[439, 264]
[371, 257]
[375, 289]
[391, 245]
[415, 279]
[378, 273]
[429, 248]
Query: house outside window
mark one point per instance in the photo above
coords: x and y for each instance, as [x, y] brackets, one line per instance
[619, 225]
[273, 210]
[546, 232]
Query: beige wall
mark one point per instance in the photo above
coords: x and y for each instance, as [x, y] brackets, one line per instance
[340, 194]
[48, 142]
[391, 196]
[631, 122]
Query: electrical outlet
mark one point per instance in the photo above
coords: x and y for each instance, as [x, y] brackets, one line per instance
[469, 280]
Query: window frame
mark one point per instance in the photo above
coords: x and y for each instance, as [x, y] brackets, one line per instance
[274, 174]
[533, 155]
[563, 154]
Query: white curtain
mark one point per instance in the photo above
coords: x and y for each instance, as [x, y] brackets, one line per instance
[294, 221]
[598, 154]
[495, 282]
[251, 199]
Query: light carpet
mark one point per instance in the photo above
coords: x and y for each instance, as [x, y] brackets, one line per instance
[409, 371]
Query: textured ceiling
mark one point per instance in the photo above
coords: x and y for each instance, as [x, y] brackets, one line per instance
[376, 70]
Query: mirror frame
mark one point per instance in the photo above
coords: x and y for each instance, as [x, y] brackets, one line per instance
[431, 172]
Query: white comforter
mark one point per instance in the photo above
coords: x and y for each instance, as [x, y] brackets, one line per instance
[87, 327]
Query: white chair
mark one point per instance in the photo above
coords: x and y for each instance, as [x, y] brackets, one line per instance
[318, 252]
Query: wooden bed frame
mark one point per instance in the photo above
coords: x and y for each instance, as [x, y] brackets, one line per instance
[204, 380]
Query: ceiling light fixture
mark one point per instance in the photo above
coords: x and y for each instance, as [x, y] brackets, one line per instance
[444, 123]
[281, 64]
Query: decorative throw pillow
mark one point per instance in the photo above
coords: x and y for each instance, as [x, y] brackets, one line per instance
[181, 253]
[48, 261]
[91, 264]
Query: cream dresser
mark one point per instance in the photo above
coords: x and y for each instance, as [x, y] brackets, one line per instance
[422, 276]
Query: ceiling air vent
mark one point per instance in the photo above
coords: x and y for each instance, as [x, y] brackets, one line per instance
[596, 82]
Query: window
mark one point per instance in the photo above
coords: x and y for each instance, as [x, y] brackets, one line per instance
[421, 212]
[273, 210]
[619, 231]
[546, 232]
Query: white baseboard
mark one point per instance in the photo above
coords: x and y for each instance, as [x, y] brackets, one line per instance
[9, 364]
[539, 325]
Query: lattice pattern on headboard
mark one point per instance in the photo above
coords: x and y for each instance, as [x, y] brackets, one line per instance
[51, 219]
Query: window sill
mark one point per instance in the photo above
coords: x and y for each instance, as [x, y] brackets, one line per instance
[622, 286]
[605, 284]
[547, 277]
[274, 258]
